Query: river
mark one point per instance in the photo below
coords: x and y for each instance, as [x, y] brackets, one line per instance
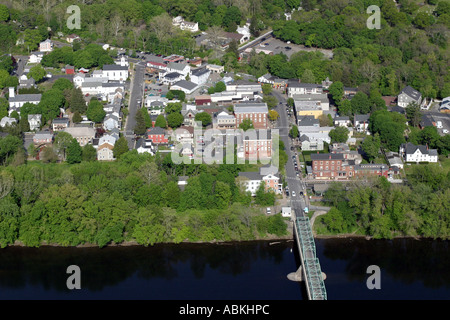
[410, 269]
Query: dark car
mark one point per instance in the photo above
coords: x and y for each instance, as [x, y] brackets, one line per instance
[288, 48]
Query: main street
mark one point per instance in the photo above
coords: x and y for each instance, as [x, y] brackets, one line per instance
[294, 183]
[136, 94]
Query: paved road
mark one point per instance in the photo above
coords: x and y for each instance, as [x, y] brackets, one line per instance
[137, 89]
[298, 202]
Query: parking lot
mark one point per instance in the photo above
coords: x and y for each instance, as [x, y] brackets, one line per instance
[444, 118]
[277, 46]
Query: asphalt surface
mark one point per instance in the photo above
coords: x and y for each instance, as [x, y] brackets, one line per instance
[137, 89]
[298, 203]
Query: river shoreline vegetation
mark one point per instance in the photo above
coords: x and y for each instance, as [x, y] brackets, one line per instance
[383, 210]
[136, 198]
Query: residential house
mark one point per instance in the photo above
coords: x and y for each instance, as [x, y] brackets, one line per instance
[245, 32]
[34, 120]
[202, 100]
[361, 122]
[24, 82]
[189, 116]
[36, 57]
[427, 121]
[200, 76]
[179, 67]
[311, 143]
[326, 83]
[418, 153]
[409, 95]
[257, 112]
[17, 101]
[111, 121]
[224, 121]
[83, 135]
[7, 121]
[145, 146]
[184, 135]
[69, 69]
[46, 46]
[445, 105]
[307, 121]
[42, 137]
[394, 159]
[72, 37]
[156, 107]
[59, 124]
[105, 152]
[157, 135]
[185, 25]
[342, 121]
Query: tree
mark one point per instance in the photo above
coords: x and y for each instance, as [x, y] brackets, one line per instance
[413, 114]
[37, 73]
[32, 151]
[294, 132]
[62, 143]
[147, 119]
[89, 153]
[161, 121]
[423, 20]
[345, 108]
[290, 102]
[175, 119]
[140, 127]
[120, 147]
[360, 103]
[48, 155]
[266, 88]
[77, 102]
[4, 13]
[74, 152]
[95, 111]
[246, 124]
[308, 76]
[271, 101]
[273, 115]
[62, 84]
[220, 86]
[336, 90]
[339, 134]
[77, 117]
[371, 146]
[204, 118]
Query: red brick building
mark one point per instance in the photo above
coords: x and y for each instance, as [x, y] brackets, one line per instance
[259, 147]
[256, 112]
[157, 135]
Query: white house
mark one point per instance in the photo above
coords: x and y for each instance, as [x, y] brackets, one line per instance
[245, 31]
[170, 78]
[36, 57]
[7, 121]
[46, 46]
[200, 76]
[180, 67]
[17, 101]
[361, 122]
[407, 96]
[35, 121]
[252, 180]
[420, 153]
[145, 146]
[185, 25]
[110, 122]
[342, 122]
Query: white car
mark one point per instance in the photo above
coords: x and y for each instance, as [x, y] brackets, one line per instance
[445, 131]
[293, 193]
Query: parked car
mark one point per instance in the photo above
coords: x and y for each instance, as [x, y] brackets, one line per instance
[445, 131]
[293, 193]
[268, 211]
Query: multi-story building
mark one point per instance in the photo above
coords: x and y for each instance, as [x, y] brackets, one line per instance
[326, 166]
[297, 87]
[115, 72]
[412, 153]
[409, 95]
[17, 101]
[157, 135]
[256, 111]
[224, 121]
[84, 135]
[267, 174]
[257, 144]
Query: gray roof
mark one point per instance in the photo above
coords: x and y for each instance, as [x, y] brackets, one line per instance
[156, 130]
[199, 72]
[327, 156]
[308, 121]
[251, 107]
[411, 148]
[111, 67]
[177, 66]
[410, 91]
[346, 118]
[61, 120]
[26, 97]
[297, 84]
[172, 75]
[185, 84]
[361, 117]
[251, 175]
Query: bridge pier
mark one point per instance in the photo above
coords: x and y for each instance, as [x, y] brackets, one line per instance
[298, 275]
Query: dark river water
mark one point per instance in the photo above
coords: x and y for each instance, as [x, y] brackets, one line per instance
[410, 269]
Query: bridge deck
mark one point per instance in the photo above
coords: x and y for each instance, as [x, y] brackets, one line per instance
[311, 265]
